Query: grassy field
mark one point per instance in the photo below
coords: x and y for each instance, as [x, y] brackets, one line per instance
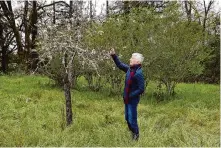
[32, 114]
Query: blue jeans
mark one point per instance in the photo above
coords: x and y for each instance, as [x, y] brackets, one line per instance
[131, 117]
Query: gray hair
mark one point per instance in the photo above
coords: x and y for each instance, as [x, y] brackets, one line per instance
[138, 56]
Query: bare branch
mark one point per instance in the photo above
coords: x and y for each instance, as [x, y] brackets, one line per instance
[57, 2]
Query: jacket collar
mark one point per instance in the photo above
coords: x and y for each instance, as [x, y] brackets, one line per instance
[135, 67]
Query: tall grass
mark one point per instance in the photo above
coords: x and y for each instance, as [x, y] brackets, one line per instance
[32, 113]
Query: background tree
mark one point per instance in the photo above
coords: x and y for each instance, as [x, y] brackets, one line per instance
[206, 15]
[9, 15]
[171, 52]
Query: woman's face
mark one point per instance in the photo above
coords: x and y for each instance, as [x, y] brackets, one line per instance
[133, 61]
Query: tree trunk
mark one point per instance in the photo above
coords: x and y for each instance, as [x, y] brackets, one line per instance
[170, 88]
[27, 30]
[206, 11]
[170, 85]
[126, 7]
[188, 10]
[8, 13]
[107, 8]
[71, 9]
[4, 61]
[67, 92]
[34, 23]
[54, 18]
[89, 78]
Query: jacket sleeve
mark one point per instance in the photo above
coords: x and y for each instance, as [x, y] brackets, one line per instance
[140, 82]
[119, 64]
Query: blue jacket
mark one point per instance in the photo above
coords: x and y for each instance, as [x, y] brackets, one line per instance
[137, 86]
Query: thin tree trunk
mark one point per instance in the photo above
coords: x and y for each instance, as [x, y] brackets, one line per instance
[170, 85]
[71, 9]
[54, 19]
[27, 30]
[34, 23]
[107, 8]
[188, 10]
[2, 48]
[170, 88]
[89, 79]
[206, 11]
[91, 9]
[126, 7]
[67, 92]
[4, 61]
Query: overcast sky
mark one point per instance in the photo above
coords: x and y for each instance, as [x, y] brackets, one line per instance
[101, 4]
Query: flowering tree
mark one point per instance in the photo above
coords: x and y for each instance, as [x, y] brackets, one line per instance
[62, 57]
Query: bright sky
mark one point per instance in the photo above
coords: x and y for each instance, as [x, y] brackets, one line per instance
[101, 4]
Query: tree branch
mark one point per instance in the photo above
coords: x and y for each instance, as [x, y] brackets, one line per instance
[58, 2]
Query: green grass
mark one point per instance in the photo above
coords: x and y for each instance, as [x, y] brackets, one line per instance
[32, 114]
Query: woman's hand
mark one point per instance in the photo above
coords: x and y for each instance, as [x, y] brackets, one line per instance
[112, 51]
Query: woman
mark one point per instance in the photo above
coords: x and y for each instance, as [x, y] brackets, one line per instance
[134, 87]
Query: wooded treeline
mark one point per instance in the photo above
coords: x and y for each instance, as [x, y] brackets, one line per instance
[20, 23]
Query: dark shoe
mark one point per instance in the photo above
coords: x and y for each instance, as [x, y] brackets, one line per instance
[135, 136]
